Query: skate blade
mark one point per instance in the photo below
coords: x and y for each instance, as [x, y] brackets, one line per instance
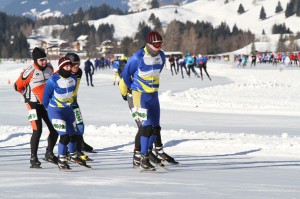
[35, 167]
[48, 160]
[84, 165]
[147, 170]
[65, 169]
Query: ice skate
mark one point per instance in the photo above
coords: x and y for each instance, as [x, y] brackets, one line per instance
[145, 163]
[34, 162]
[160, 152]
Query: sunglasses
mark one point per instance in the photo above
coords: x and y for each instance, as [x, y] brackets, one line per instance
[157, 44]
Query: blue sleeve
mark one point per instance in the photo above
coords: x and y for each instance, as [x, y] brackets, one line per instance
[163, 56]
[48, 92]
[129, 70]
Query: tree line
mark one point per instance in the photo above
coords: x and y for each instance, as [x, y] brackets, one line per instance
[13, 31]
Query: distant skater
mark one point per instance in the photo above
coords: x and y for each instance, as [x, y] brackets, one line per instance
[202, 62]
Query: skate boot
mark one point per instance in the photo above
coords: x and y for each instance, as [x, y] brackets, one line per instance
[145, 163]
[136, 159]
[34, 161]
[50, 157]
[83, 157]
[153, 158]
[73, 157]
[63, 163]
[160, 152]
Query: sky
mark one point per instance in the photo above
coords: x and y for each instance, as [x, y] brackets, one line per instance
[236, 136]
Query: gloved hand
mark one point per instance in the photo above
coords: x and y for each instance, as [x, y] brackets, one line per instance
[128, 93]
[124, 97]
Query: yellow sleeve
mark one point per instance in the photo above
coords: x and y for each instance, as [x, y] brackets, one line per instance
[123, 87]
[77, 87]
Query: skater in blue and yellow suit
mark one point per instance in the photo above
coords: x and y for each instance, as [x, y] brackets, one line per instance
[57, 99]
[141, 76]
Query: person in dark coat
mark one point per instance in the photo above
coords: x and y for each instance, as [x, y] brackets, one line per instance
[89, 71]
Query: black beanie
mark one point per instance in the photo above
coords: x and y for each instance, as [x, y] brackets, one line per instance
[38, 53]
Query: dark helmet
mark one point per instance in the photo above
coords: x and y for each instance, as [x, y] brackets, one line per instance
[73, 57]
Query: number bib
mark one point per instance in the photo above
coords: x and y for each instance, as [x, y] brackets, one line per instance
[59, 125]
[78, 116]
[32, 115]
[139, 113]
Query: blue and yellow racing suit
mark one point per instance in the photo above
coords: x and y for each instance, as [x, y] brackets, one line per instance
[57, 99]
[141, 76]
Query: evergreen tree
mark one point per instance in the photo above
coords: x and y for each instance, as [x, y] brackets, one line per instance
[226, 1]
[253, 48]
[126, 46]
[104, 32]
[263, 32]
[141, 34]
[241, 9]
[262, 14]
[281, 44]
[157, 25]
[235, 30]
[281, 29]
[290, 9]
[152, 18]
[278, 8]
[13, 42]
[154, 4]
[297, 8]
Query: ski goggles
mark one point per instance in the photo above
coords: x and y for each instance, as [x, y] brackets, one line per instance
[157, 44]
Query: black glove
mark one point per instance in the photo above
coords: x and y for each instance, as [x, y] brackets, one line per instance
[128, 92]
[124, 97]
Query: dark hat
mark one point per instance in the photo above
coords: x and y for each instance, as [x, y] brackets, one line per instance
[38, 53]
[73, 57]
[63, 62]
[154, 37]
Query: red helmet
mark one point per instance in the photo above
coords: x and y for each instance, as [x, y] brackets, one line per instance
[154, 37]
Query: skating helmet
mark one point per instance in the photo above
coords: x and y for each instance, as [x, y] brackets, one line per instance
[73, 57]
[154, 37]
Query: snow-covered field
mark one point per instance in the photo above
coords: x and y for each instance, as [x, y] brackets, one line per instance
[236, 136]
